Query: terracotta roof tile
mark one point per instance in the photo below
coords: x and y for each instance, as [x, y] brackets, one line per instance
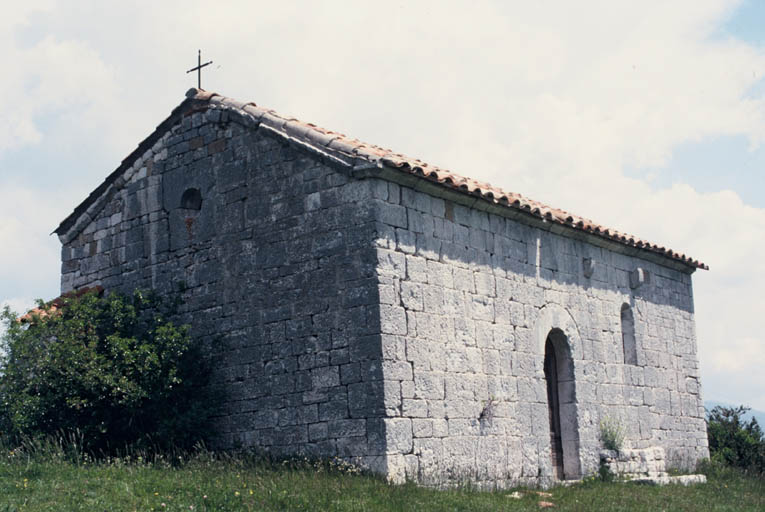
[347, 146]
[54, 306]
[354, 152]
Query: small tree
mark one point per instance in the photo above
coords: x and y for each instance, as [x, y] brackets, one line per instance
[112, 368]
[734, 441]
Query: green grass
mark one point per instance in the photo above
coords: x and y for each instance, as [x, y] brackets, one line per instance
[50, 482]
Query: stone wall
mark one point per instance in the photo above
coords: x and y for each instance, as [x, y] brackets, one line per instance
[276, 271]
[360, 318]
[468, 300]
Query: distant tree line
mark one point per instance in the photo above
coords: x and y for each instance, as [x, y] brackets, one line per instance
[734, 441]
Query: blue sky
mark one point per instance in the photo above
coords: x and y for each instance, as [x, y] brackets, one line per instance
[716, 163]
[745, 22]
[722, 162]
[645, 116]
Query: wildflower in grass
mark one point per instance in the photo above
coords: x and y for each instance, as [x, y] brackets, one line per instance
[236, 493]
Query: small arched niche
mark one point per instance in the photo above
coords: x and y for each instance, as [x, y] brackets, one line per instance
[629, 343]
[191, 199]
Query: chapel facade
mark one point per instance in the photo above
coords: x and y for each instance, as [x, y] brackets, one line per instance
[362, 304]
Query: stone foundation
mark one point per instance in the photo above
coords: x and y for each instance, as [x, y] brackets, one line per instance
[644, 466]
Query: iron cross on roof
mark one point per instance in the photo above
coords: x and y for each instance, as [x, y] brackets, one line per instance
[198, 69]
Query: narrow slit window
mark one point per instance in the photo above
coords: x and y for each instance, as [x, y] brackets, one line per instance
[628, 335]
[191, 199]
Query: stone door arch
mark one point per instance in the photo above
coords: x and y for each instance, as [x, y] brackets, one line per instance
[558, 343]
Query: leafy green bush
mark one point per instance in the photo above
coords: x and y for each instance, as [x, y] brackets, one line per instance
[611, 434]
[112, 370]
[734, 441]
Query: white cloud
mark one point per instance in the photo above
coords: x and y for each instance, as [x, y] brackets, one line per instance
[552, 101]
[29, 255]
[61, 83]
[18, 305]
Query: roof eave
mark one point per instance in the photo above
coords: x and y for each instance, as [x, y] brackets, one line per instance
[344, 153]
[434, 188]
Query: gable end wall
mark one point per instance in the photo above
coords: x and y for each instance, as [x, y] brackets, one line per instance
[277, 276]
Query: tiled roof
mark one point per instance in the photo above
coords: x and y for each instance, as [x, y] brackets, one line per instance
[54, 307]
[355, 153]
[354, 149]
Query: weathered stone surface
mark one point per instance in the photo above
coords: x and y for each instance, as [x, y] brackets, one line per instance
[476, 310]
[366, 319]
[645, 466]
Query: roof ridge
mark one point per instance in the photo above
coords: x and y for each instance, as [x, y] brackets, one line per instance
[356, 148]
[353, 152]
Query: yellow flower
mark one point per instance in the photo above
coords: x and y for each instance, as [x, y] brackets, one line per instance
[251, 493]
[236, 493]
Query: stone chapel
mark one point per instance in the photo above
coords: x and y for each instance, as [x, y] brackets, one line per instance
[363, 304]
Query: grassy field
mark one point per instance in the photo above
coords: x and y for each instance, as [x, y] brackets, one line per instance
[51, 483]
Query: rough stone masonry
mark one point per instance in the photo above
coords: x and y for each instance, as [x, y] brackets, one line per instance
[365, 305]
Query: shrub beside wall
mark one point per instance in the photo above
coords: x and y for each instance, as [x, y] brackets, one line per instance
[734, 441]
[112, 368]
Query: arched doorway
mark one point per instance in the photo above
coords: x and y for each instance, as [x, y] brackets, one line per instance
[561, 403]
